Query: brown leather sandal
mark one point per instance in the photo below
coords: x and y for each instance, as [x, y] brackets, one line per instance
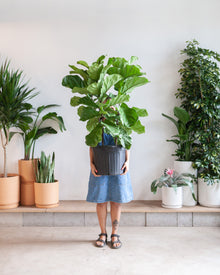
[100, 240]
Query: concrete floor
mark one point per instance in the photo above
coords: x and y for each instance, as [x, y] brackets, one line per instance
[145, 250]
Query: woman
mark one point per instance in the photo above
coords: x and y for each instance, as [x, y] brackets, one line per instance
[116, 189]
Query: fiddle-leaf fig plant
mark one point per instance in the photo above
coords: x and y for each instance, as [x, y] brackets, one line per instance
[14, 107]
[104, 90]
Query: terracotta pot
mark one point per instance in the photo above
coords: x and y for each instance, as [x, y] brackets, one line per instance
[46, 194]
[27, 178]
[9, 191]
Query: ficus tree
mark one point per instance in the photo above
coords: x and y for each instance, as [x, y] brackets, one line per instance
[199, 94]
[104, 91]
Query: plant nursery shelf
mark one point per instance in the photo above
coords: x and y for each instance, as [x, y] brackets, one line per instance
[136, 206]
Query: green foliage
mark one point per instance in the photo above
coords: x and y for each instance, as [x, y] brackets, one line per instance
[32, 131]
[14, 109]
[45, 168]
[171, 178]
[184, 140]
[199, 93]
[104, 89]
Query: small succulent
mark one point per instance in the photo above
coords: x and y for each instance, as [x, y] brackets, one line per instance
[45, 168]
[171, 178]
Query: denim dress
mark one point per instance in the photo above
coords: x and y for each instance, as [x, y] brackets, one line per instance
[110, 188]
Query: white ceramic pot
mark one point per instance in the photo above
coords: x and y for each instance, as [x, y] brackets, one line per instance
[209, 195]
[186, 167]
[172, 198]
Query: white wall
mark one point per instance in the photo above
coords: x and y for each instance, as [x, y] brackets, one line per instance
[42, 37]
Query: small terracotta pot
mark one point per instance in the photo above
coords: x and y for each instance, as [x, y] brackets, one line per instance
[9, 191]
[27, 177]
[46, 194]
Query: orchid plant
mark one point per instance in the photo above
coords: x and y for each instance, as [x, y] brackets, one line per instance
[171, 178]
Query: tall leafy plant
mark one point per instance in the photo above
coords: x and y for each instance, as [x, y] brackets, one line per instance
[199, 93]
[104, 90]
[33, 130]
[14, 109]
[184, 139]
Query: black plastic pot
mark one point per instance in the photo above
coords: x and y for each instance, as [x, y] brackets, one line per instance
[109, 159]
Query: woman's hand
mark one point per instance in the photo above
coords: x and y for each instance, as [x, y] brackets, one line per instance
[125, 168]
[93, 170]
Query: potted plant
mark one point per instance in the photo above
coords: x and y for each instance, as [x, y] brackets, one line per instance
[104, 89]
[199, 93]
[171, 183]
[46, 188]
[14, 111]
[30, 133]
[184, 141]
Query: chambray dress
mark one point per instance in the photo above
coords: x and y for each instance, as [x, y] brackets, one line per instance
[110, 188]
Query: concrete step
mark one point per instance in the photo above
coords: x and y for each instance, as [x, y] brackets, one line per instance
[135, 213]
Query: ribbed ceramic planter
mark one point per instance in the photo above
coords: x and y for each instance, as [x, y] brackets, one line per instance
[9, 191]
[186, 167]
[109, 159]
[172, 198]
[208, 195]
[46, 194]
[27, 178]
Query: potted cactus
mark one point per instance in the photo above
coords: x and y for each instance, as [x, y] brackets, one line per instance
[46, 188]
[14, 111]
[104, 90]
[185, 145]
[171, 183]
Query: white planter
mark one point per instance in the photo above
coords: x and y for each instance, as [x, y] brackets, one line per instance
[186, 167]
[209, 195]
[172, 198]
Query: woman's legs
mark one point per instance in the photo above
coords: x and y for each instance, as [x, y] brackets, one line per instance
[101, 209]
[115, 217]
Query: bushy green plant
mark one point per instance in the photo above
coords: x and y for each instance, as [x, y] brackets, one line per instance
[103, 90]
[45, 168]
[171, 178]
[32, 131]
[184, 139]
[14, 109]
[199, 93]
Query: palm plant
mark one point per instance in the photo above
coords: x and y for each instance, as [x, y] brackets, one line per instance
[14, 109]
[32, 131]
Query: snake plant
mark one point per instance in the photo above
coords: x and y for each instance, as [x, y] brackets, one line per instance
[45, 168]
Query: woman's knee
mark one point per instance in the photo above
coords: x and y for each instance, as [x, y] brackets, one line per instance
[115, 204]
[103, 204]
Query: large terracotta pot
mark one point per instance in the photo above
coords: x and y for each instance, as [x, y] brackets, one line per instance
[172, 198]
[209, 195]
[186, 167]
[9, 191]
[46, 194]
[27, 178]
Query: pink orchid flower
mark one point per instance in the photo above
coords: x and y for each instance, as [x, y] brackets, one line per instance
[169, 172]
